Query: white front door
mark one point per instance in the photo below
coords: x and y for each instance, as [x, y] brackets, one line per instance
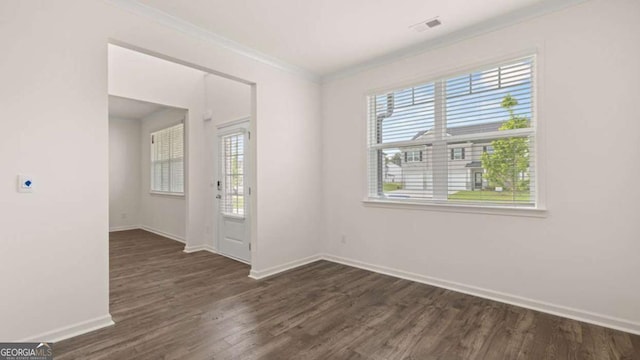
[233, 191]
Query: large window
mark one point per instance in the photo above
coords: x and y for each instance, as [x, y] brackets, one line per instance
[476, 136]
[167, 160]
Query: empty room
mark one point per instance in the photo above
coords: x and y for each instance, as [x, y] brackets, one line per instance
[320, 180]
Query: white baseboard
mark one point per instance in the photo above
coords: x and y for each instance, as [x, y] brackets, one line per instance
[72, 330]
[545, 307]
[149, 229]
[211, 249]
[558, 310]
[162, 233]
[191, 249]
[124, 228]
[261, 274]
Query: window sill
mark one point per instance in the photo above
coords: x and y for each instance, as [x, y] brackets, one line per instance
[457, 208]
[168, 194]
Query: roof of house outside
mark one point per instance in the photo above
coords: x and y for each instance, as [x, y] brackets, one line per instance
[467, 129]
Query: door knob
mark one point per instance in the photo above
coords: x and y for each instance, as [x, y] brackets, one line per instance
[218, 196]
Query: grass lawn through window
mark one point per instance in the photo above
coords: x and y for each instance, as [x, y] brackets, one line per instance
[386, 187]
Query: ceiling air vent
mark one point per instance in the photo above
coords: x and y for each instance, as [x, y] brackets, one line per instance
[427, 24]
[433, 23]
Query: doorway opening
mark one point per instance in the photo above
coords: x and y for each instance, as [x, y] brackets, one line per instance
[477, 180]
[211, 173]
[146, 167]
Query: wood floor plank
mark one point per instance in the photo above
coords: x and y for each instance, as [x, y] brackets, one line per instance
[171, 305]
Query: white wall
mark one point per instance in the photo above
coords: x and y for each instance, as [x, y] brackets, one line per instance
[227, 99]
[54, 100]
[165, 214]
[124, 173]
[582, 259]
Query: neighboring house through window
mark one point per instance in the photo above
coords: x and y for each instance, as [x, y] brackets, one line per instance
[468, 138]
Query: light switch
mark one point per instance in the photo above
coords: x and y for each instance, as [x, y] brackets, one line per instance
[25, 184]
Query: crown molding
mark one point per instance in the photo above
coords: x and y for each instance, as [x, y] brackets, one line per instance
[188, 28]
[481, 28]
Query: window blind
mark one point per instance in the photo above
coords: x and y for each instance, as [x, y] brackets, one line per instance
[475, 133]
[167, 160]
[233, 172]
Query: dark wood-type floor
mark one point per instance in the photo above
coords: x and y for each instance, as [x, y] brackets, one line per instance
[172, 305]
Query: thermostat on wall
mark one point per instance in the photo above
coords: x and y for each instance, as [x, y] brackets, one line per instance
[25, 184]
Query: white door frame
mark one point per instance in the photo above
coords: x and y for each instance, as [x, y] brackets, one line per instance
[223, 129]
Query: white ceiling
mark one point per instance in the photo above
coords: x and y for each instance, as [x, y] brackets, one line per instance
[325, 36]
[125, 108]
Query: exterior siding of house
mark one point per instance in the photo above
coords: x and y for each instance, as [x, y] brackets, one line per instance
[418, 175]
[392, 173]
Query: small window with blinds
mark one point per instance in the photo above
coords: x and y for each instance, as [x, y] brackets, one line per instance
[167, 160]
[232, 152]
[465, 139]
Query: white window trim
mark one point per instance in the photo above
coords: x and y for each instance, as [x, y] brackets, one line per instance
[232, 216]
[165, 193]
[536, 212]
[414, 157]
[540, 209]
